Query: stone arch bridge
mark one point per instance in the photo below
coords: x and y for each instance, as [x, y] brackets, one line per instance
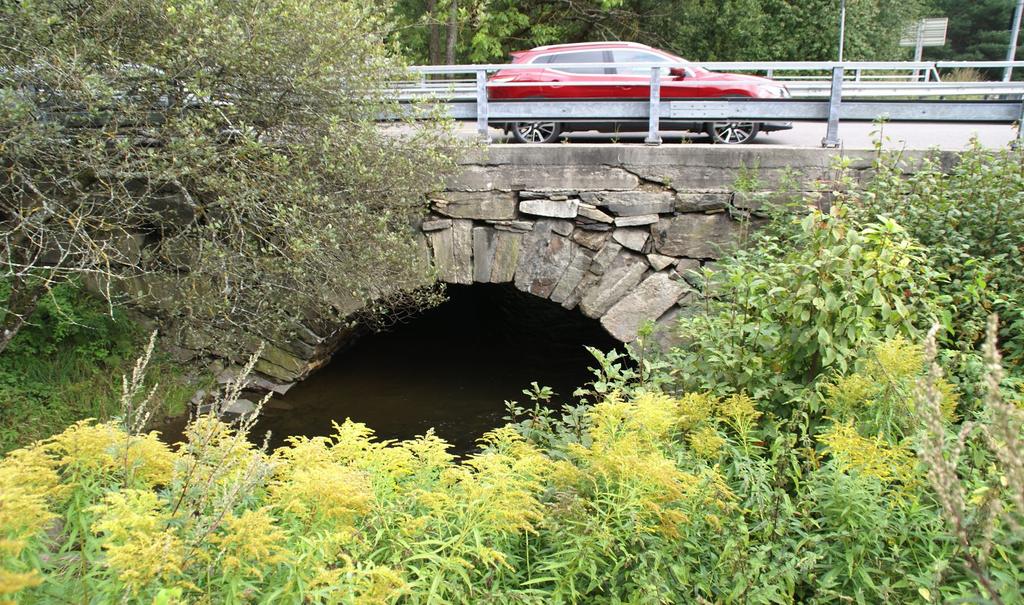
[617, 232]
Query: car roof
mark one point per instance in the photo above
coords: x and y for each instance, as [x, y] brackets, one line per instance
[589, 45]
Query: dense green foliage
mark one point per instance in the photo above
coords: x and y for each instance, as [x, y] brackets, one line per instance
[978, 30]
[722, 30]
[220, 162]
[800, 448]
[67, 365]
[968, 219]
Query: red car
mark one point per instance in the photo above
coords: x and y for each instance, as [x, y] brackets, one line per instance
[680, 80]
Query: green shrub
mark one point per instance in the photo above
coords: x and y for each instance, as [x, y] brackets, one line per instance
[968, 217]
[805, 299]
[66, 365]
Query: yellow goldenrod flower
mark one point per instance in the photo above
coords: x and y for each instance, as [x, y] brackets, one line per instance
[695, 408]
[140, 546]
[739, 412]
[706, 442]
[873, 457]
[250, 543]
[12, 581]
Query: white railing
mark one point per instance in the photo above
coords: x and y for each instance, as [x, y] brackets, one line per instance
[896, 91]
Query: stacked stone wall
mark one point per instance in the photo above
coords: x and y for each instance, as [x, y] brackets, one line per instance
[618, 232]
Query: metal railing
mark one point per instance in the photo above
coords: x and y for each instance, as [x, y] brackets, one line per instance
[895, 91]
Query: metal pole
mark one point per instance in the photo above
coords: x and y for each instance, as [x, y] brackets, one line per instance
[831, 139]
[1016, 144]
[1011, 53]
[481, 106]
[919, 47]
[842, 27]
[653, 136]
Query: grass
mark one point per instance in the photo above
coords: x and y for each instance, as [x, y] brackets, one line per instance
[68, 365]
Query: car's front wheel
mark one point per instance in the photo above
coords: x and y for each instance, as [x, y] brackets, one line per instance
[536, 132]
[733, 133]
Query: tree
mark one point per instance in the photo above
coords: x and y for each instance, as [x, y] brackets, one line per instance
[703, 30]
[218, 161]
[978, 31]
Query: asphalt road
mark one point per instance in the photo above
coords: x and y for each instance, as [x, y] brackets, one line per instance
[854, 135]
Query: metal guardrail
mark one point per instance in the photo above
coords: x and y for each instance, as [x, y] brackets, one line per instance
[872, 84]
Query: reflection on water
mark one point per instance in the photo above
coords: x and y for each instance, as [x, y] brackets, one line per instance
[451, 368]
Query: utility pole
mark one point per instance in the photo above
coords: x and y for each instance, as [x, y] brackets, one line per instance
[1011, 54]
[842, 27]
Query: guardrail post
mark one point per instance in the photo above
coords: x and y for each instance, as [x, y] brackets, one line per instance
[831, 139]
[1019, 141]
[481, 106]
[653, 136]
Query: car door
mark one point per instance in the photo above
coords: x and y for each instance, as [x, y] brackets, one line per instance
[635, 81]
[559, 80]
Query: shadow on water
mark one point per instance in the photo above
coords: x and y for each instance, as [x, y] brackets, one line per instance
[451, 368]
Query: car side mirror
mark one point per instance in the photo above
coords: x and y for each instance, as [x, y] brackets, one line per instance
[679, 72]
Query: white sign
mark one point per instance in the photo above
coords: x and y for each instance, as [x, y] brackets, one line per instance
[926, 32]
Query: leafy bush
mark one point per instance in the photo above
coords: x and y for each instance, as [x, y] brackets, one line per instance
[805, 299]
[968, 218]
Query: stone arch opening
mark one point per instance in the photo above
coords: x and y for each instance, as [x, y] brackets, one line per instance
[451, 369]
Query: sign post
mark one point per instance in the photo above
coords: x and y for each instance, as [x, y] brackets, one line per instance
[1011, 53]
[926, 32]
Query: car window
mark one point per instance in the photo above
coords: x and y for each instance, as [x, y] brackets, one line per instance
[590, 56]
[638, 56]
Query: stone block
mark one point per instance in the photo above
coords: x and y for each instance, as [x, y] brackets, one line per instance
[253, 381]
[647, 302]
[636, 221]
[549, 208]
[689, 269]
[593, 240]
[760, 200]
[590, 279]
[604, 258]
[623, 275]
[484, 245]
[514, 226]
[696, 235]
[634, 203]
[479, 205]
[574, 273]
[281, 365]
[506, 256]
[453, 252]
[634, 239]
[666, 333]
[703, 201]
[543, 259]
[594, 214]
[239, 407]
[660, 261]
[562, 227]
[436, 225]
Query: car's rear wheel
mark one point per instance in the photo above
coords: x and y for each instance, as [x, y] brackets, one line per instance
[536, 132]
[733, 133]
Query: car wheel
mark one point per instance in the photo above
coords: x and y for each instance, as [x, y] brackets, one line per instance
[536, 132]
[733, 133]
